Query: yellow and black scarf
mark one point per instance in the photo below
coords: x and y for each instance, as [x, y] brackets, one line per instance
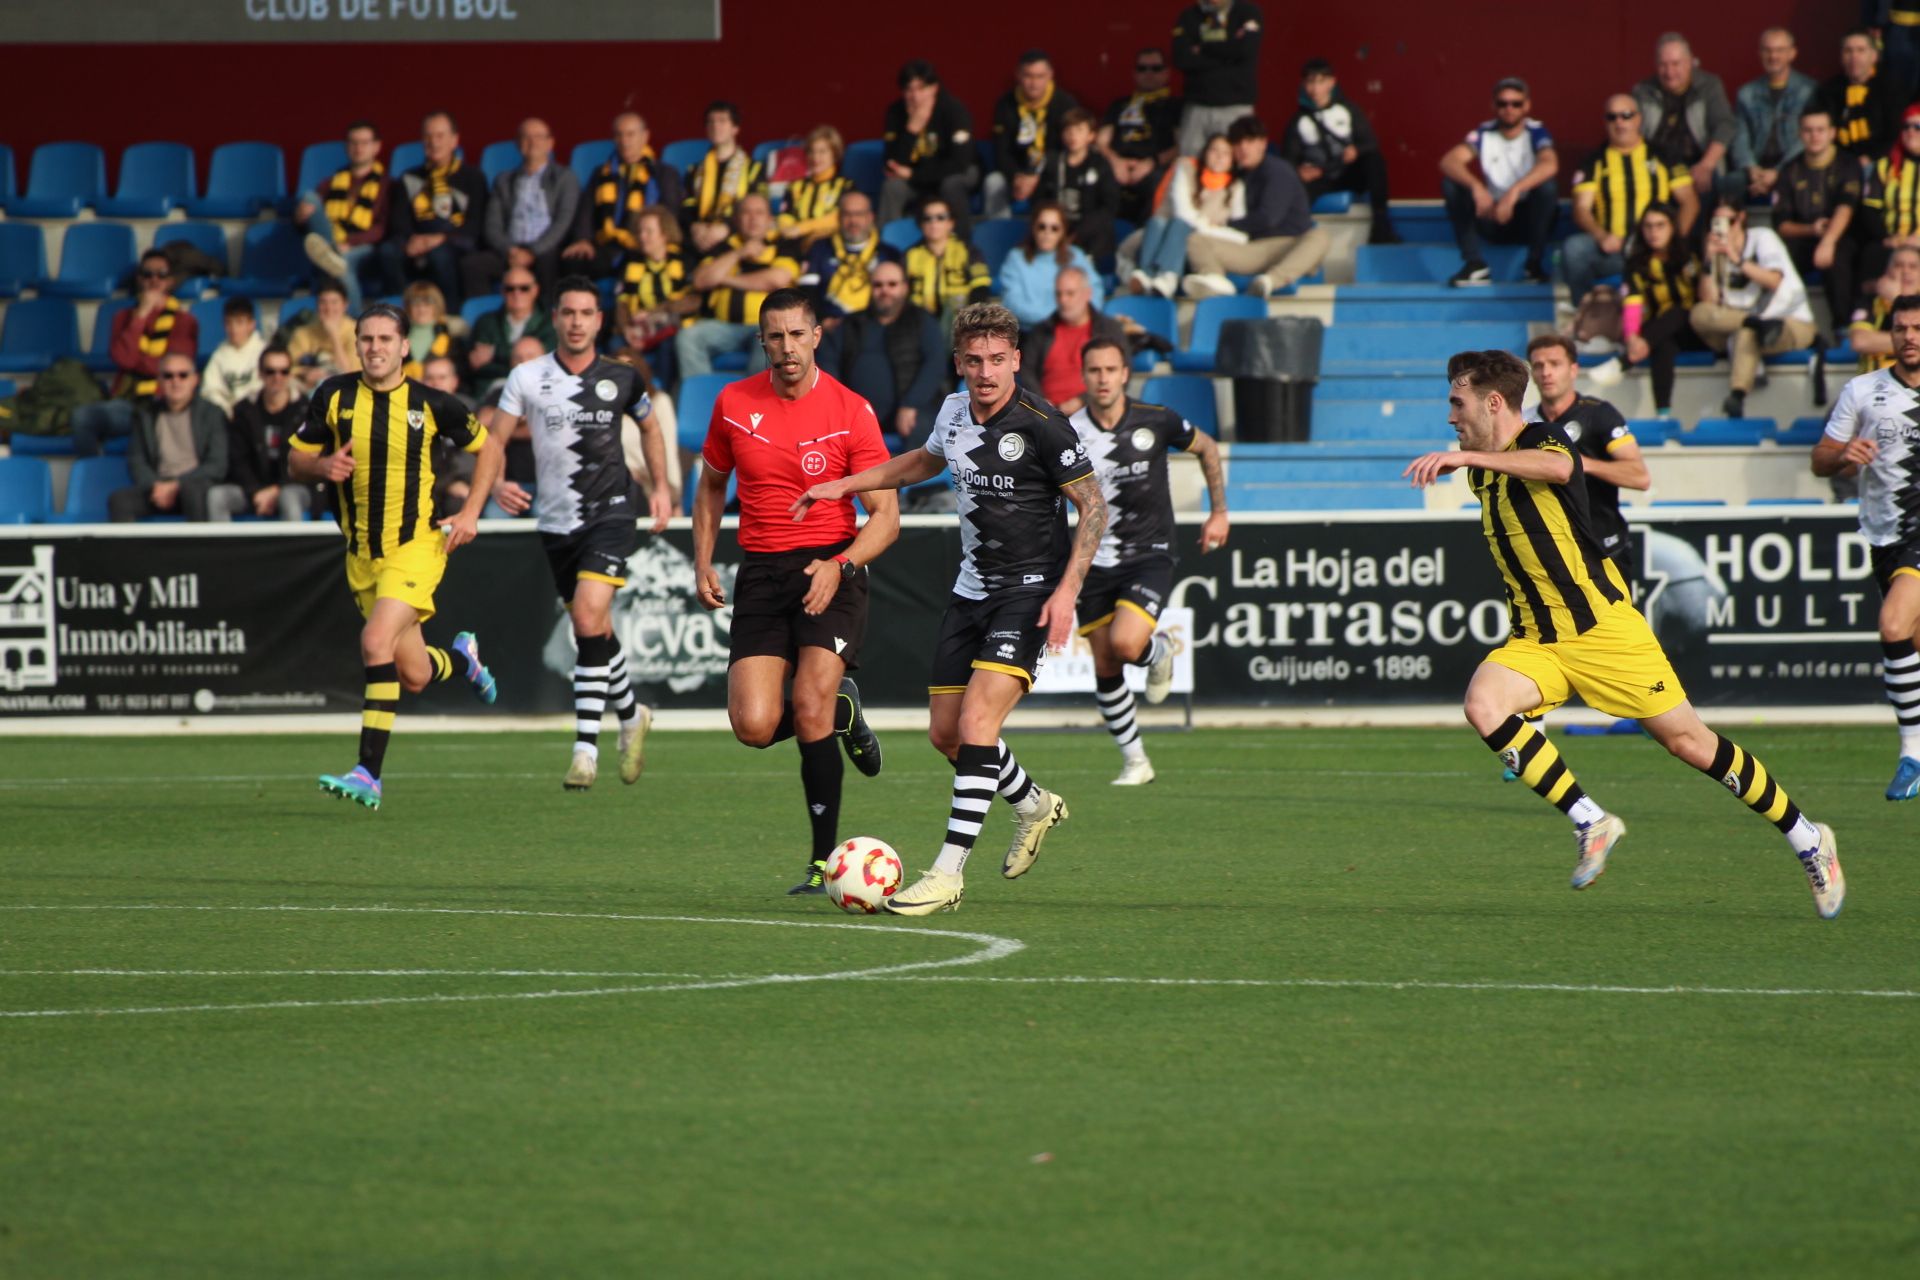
[649, 286]
[350, 207]
[718, 185]
[852, 282]
[1034, 116]
[442, 344]
[613, 216]
[811, 198]
[428, 197]
[154, 340]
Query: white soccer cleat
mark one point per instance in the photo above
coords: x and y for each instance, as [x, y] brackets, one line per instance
[1596, 841]
[1824, 877]
[1046, 812]
[581, 773]
[633, 744]
[1160, 674]
[934, 891]
[1136, 772]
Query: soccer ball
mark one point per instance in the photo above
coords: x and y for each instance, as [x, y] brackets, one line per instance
[862, 874]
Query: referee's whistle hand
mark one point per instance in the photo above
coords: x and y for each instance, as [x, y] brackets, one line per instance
[706, 587]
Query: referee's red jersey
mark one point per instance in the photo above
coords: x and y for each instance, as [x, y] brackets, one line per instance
[781, 448]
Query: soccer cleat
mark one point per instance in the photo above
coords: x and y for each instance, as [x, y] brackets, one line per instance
[467, 645]
[859, 739]
[633, 744]
[1906, 780]
[322, 254]
[1508, 775]
[1471, 275]
[1029, 829]
[1596, 841]
[581, 773]
[1160, 674]
[813, 880]
[1136, 772]
[1824, 877]
[357, 784]
[934, 891]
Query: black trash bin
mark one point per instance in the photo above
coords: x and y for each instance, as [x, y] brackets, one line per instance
[1275, 365]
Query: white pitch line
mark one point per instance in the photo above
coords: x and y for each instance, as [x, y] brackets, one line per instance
[247, 779]
[351, 973]
[1412, 984]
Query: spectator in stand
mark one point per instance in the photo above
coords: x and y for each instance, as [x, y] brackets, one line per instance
[324, 345]
[429, 333]
[930, 153]
[1141, 134]
[1050, 350]
[1816, 201]
[233, 370]
[257, 481]
[894, 355]
[632, 444]
[656, 292]
[1612, 190]
[1216, 46]
[346, 220]
[530, 214]
[442, 374]
[453, 467]
[716, 185]
[1203, 198]
[811, 210]
[1752, 302]
[1027, 276]
[1026, 124]
[1871, 330]
[839, 269]
[155, 325]
[944, 272]
[1512, 198]
[629, 182]
[178, 451]
[1866, 105]
[736, 276]
[1282, 243]
[1078, 179]
[439, 209]
[1891, 207]
[520, 315]
[1330, 144]
[1768, 112]
[1663, 283]
[1687, 118]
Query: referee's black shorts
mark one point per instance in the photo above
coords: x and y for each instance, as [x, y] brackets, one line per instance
[769, 619]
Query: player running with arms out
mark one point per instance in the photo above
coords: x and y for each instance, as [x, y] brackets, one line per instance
[1574, 629]
[1132, 572]
[371, 434]
[800, 600]
[1012, 457]
[1875, 432]
[573, 401]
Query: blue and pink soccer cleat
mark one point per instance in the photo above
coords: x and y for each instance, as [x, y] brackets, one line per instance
[358, 785]
[467, 645]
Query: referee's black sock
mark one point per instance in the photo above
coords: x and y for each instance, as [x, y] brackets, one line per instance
[376, 715]
[821, 771]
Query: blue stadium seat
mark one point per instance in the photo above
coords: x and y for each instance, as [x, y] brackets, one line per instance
[901, 233]
[210, 313]
[7, 188]
[731, 361]
[1803, 434]
[1204, 334]
[1786, 502]
[498, 158]
[1152, 313]
[684, 154]
[38, 446]
[95, 259]
[1431, 263]
[1382, 419]
[995, 238]
[1727, 431]
[1688, 502]
[97, 355]
[26, 491]
[272, 262]
[406, 155]
[473, 308]
[694, 406]
[319, 162]
[763, 154]
[588, 156]
[866, 164]
[244, 178]
[208, 237]
[1318, 477]
[62, 179]
[155, 179]
[36, 332]
[1188, 395]
[23, 257]
[1334, 202]
[1398, 303]
[88, 485]
[1410, 347]
[1651, 433]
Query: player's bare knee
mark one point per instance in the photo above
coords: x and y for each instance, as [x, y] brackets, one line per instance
[415, 681]
[945, 740]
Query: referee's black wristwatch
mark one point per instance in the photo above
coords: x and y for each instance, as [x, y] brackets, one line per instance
[847, 568]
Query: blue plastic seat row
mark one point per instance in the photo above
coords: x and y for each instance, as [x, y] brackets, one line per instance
[26, 490]
[155, 178]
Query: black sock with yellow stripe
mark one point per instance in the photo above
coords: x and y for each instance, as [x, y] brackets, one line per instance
[376, 718]
[1527, 752]
[1747, 778]
[442, 661]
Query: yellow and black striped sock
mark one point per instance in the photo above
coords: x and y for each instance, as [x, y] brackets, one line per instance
[376, 718]
[1747, 778]
[442, 661]
[1527, 752]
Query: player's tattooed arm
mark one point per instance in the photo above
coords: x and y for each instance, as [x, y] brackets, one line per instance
[1086, 497]
[1214, 532]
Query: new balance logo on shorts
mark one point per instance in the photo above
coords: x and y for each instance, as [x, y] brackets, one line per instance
[1658, 688]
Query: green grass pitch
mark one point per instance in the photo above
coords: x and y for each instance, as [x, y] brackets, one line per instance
[1358, 1025]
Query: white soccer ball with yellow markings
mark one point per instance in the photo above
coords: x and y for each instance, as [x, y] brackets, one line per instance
[862, 874]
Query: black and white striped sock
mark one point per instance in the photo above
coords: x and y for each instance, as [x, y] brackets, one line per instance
[590, 692]
[1015, 785]
[975, 770]
[1902, 675]
[1155, 650]
[1116, 708]
[619, 692]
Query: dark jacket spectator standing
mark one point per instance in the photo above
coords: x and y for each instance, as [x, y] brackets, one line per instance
[606, 226]
[263, 423]
[839, 269]
[1216, 46]
[1331, 143]
[929, 149]
[1081, 181]
[346, 219]
[439, 210]
[894, 355]
[1026, 124]
[1865, 103]
[1512, 197]
[1816, 203]
[1050, 351]
[156, 325]
[1140, 135]
[1686, 117]
[178, 451]
[530, 214]
[1282, 242]
[519, 316]
[1767, 113]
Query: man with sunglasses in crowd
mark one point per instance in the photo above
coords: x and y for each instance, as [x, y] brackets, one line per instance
[178, 452]
[1140, 134]
[156, 325]
[1512, 198]
[519, 316]
[257, 447]
[1610, 192]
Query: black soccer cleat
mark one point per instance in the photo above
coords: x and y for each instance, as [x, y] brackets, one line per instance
[857, 736]
[814, 881]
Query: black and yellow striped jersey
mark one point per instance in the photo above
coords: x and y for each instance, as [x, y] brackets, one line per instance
[1661, 284]
[956, 274]
[388, 502]
[646, 285]
[811, 199]
[1624, 183]
[1876, 317]
[742, 306]
[1559, 583]
[1894, 196]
